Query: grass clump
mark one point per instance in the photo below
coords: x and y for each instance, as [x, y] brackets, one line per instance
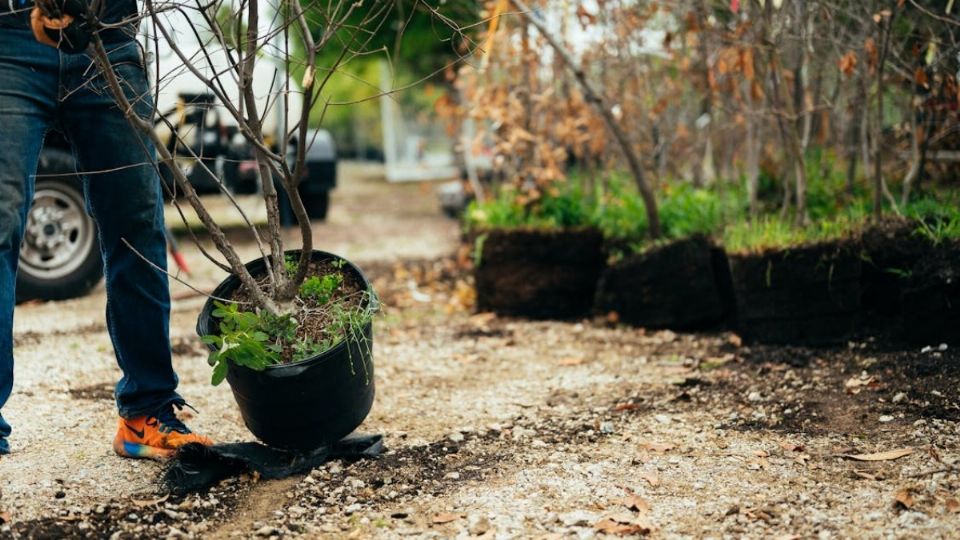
[773, 232]
[937, 221]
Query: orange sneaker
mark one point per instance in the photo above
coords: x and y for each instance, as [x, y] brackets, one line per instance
[154, 437]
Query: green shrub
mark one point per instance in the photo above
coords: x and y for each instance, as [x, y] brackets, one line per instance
[684, 211]
[564, 205]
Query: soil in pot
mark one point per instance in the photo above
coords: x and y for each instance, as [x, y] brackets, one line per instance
[315, 384]
[541, 274]
[669, 286]
[891, 249]
[931, 298]
[800, 295]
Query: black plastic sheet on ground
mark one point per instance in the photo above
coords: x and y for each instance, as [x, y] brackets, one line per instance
[196, 467]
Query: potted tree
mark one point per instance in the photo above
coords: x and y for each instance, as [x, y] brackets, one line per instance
[290, 331]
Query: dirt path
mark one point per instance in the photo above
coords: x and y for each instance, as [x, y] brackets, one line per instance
[507, 428]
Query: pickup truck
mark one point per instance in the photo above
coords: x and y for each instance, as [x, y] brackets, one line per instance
[60, 254]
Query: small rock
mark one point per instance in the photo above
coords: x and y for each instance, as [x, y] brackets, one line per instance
[456, 436]
[265, 531]
[452, 476]
[606, 427]
[60, 494]
[578, 518]
[478, 525]
[662, 418]
[335, 468]
[754, 396]
[899, 397]
[352, 509]
[886, 418]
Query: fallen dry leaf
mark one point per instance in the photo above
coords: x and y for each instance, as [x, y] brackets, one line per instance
[791, 447]
[5, 518]
[658, 447]
[758, 514]
[144, 503]
[626, 406]
[855, 384]
[482, 319]
[446, 517]
[880, 456]
[571, 361]
[904, 498]
[635, 503]
[865, 475]
[611, 526]
[652, 478]
[953, 506]
[735, 340]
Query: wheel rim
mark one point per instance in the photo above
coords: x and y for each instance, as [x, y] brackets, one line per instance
[58, 236]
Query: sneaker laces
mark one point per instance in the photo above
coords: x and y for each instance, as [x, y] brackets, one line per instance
[167, 418]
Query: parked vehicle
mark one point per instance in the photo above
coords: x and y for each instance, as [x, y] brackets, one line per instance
[60, 253]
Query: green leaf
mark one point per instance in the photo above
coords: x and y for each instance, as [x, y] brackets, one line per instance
[219, 373]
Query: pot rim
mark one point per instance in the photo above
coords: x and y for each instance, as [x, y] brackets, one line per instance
[256, 266]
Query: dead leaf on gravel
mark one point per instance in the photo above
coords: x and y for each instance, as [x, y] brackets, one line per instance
[865, 475]
[659, 447]
[953, 506]
[6, 518]
[758, 514]
[880, 456]
[735, 340]
[903, 497]
[791, 447]
[625, 406]
[636, 503]
[612, 526]
[482, 319]
[571, 361]
[446, 517]
[652, 478]
[855, 384]
[144, 503]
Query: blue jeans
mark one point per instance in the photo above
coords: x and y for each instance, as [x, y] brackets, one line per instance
[41, 88]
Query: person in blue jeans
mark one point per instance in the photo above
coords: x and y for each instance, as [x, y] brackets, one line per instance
[43, 88]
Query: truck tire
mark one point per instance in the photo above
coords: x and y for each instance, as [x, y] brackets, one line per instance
[60, 254]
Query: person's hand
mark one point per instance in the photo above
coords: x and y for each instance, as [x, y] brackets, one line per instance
[61, 24]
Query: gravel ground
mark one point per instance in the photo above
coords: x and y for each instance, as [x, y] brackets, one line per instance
[506, 428]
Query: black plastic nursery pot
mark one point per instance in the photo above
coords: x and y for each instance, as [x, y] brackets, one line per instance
[805, 295]
[307, 404]
[540, 274]
[679, 285]
[931, 298]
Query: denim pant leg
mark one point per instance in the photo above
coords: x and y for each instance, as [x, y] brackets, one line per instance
[28, 82]
[124, 196]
